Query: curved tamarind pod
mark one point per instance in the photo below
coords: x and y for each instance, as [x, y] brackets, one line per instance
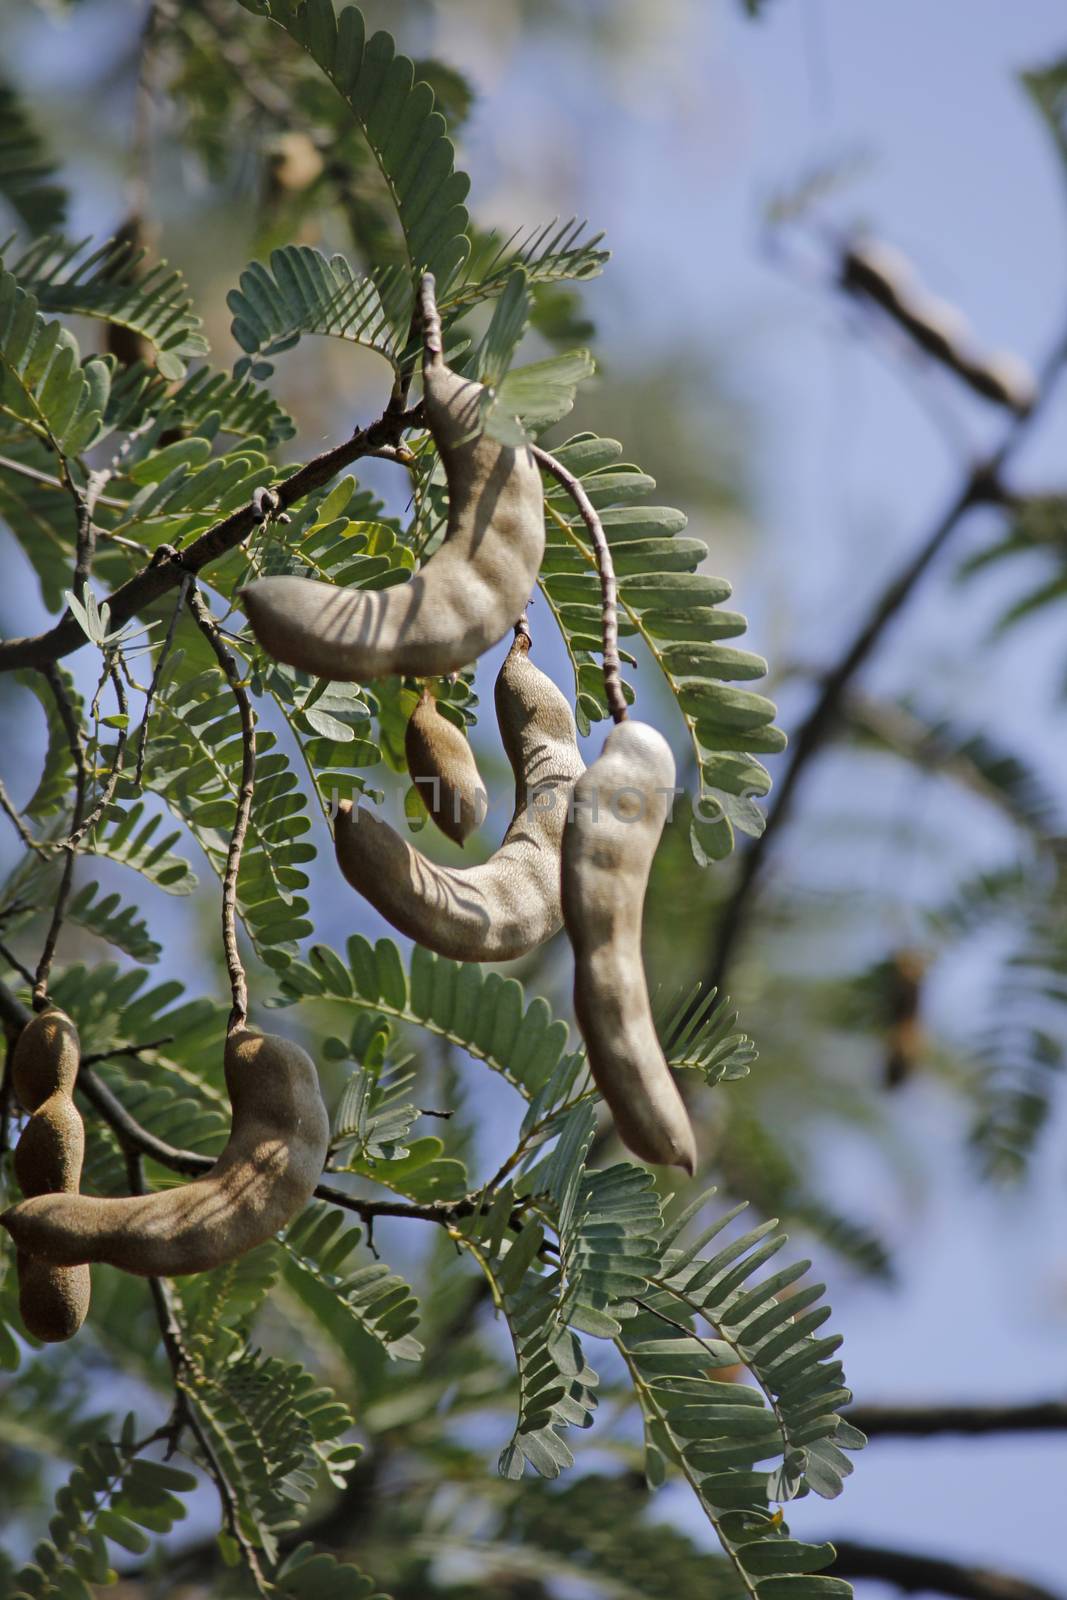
[511, 903]
[274, 1157]
[620, 807]
[442, 767]
[53, 1300]
[469, 592]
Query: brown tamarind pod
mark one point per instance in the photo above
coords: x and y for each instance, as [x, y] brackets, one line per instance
[267, 1172]
[470, 591]
[511, 903]
[620, 807]
[443, 769]
[53, 1300]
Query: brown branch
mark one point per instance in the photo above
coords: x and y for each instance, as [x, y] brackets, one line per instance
[883, 1422]
[234, 966]
[166, 569]
[920, 1574]
[14, 815]
[609, 614]
[981, 485]
[77, 750]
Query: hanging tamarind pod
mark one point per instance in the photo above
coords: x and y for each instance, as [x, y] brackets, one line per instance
[469, 592]
[53, 1300]
[442, 767]
[267, 1172]
[511, 903]
[620, 807]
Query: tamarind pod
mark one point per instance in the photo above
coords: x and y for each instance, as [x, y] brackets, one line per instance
[267, 1172]
[466, 596]
[53, 1300]
[620, 807]
[511, 903]
[442, 767]
[46, 1058]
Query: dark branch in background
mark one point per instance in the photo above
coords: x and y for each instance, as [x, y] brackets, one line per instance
[77, 750]
[883, 1422]
[916, 1574]
[238, 983]
[980, 486]
[168, 567]
[605, 566]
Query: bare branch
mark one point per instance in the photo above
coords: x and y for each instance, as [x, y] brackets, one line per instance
[883, 1422]
[922, 1574]
[11, 811]
[981, 485]
[609, 615]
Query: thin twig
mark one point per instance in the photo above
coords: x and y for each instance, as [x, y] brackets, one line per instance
[185, 1414]
[238, 983]
[166, 569]
[107, 792]
[16, 965]
[94, 1056]
[922, 1574]
[6, 1087]
[77, 750]
[883, 1422]
[12, 812]
[609, 613]
[172, 628]
[981, 485]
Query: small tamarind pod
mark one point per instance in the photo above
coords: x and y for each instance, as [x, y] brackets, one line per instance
[442, 767]
[511, 903]
[267, 1172]
[468, 593]
[53, 1300]
[619, 810]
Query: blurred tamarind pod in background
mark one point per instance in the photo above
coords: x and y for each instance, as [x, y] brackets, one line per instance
[904, 1036]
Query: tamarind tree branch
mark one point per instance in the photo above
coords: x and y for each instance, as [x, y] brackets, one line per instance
[922, 1574]
[238, 983]
[81, 777]
[883, 1422]
[609, 610]
[89, 823]
[157, 673]
[14, 815]
[167, 567]
[981, 485]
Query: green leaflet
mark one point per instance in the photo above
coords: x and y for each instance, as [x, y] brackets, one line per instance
[42, 384]
[112, 1494]
[371, 1297]
[675, 610]
[111, 282]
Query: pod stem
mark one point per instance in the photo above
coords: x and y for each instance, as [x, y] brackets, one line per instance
[609, 614]
[432, 342]
[238, 983]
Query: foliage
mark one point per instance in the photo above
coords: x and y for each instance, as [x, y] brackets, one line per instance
[555, 1279]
